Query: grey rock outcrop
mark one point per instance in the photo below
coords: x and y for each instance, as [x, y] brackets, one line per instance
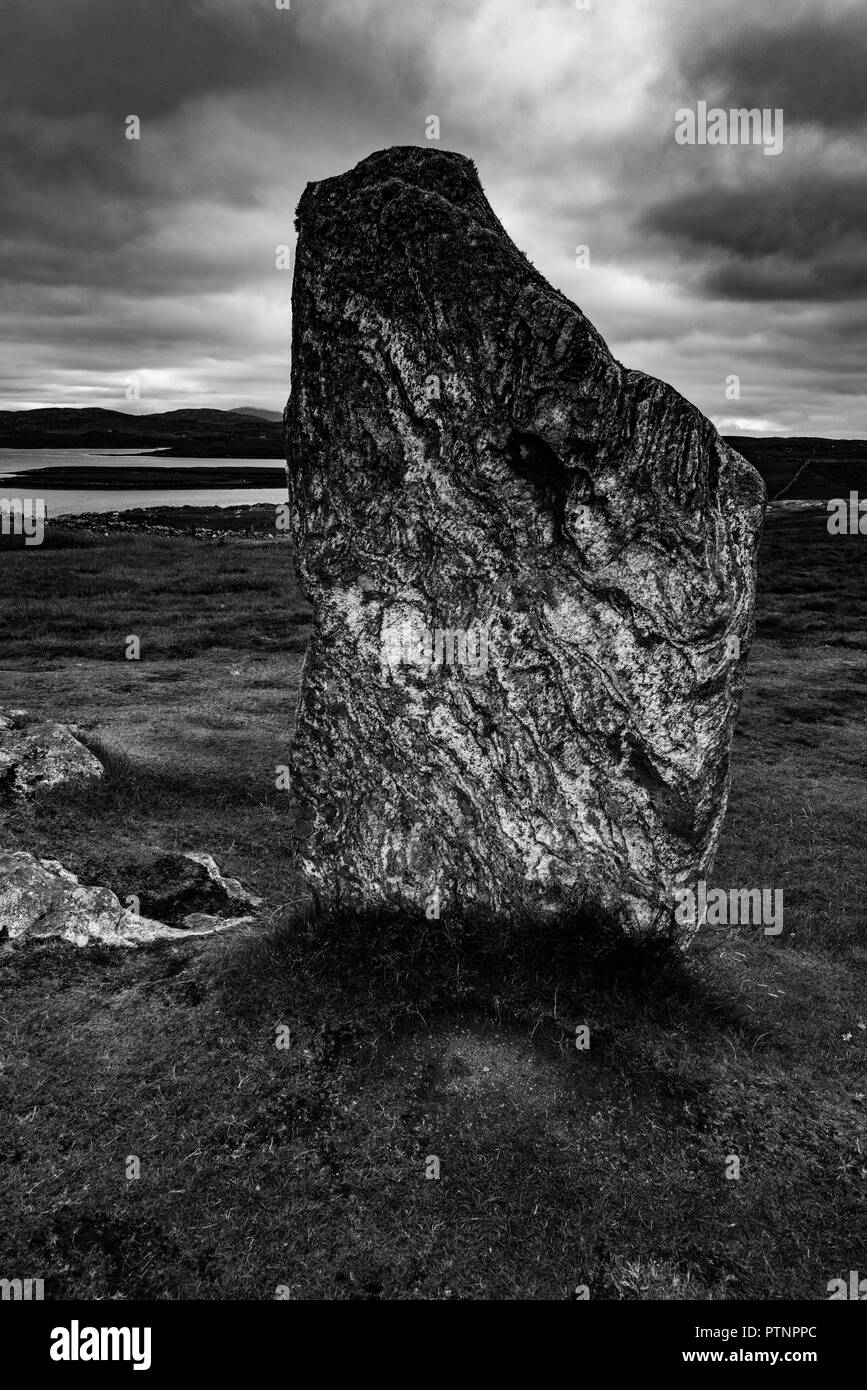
[532, 571]
[40, 754]
[39, 898]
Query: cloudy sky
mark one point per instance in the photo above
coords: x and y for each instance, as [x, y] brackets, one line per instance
[156, 258]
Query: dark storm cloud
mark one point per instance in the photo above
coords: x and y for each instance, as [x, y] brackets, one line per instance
[158, 256]
[146, 56]
[788, 240]
[216, 86]
[813, 66]
[782, 230]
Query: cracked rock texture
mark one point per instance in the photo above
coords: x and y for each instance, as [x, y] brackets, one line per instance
[532, 571]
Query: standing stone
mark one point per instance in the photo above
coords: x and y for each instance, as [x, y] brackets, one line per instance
[532, 572]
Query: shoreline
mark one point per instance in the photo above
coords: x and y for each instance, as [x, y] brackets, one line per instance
[96, 478]
[254, 520]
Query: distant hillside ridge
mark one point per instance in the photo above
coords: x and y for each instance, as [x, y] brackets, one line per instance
[191, 433]
[806, 468]
[259, 414]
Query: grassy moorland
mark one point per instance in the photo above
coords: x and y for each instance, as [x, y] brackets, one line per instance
[302, 1168]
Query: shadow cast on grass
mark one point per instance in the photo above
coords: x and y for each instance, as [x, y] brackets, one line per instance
[130, 785]
[366, 973]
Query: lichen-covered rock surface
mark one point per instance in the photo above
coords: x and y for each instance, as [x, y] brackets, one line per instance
[41, 755]
[40, 899]
[532, 571]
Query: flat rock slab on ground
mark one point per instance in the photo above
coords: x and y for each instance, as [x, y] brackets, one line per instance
[39, 898]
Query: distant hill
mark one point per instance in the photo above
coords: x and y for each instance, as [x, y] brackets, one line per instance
[808, 468]
[254, 410]
[245, 433]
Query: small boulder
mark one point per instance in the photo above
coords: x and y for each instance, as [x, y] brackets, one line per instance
[38, 754]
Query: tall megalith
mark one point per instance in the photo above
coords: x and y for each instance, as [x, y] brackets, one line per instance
[532, 573]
